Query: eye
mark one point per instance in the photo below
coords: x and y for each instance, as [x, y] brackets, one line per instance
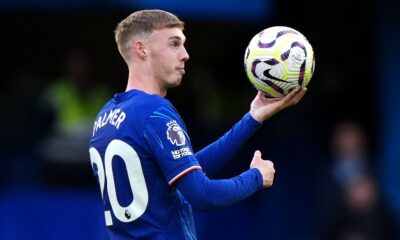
[175, 44]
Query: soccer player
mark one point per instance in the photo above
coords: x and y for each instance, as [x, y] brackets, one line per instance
[140, 150]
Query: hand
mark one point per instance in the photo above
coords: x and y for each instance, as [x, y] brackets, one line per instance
[266, 168]
[263, 108]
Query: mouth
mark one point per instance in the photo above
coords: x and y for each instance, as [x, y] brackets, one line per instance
[181, 70]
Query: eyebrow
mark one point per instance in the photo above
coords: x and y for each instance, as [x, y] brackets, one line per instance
[177, 38]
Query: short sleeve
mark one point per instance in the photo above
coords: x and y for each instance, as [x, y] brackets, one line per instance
[170, 144]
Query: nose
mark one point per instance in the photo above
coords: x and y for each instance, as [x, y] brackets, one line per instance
[185, 55]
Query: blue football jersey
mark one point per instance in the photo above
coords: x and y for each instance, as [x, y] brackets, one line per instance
[138, 149]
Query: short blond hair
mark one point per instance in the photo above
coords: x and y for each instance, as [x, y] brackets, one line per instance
[143, 22]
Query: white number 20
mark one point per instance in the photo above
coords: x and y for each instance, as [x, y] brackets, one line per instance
[136, 181]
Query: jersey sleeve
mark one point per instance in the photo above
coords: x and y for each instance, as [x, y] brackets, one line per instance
[169, 143]
[205, 194]
[214, 156]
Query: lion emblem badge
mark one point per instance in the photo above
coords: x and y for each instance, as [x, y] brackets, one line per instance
[175, 134]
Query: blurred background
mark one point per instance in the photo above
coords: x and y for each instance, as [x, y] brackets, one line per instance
[337, 153]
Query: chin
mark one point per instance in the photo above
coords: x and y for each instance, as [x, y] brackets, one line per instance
[173, 84]
[177, 82]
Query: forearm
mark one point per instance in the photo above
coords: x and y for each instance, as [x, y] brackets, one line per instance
[205, 194]
[217, 154]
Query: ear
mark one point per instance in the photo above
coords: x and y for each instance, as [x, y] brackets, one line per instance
[140, 48]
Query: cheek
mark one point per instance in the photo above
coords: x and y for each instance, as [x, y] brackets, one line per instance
[161, 61]
[163, 64]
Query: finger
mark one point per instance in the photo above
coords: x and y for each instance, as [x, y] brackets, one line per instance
[270, 163]
[291, 95]
[260, 95]
[257, 154]
[272, 100]
[294, 97]
[299, 95]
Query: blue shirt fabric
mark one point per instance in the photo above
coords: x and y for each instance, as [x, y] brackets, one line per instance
[214, 156]
[140, 148]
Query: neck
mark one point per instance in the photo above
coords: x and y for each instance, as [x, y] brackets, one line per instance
[145, 82]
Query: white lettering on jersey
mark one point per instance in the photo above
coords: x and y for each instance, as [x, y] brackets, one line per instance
[114, 117]
[183, 152]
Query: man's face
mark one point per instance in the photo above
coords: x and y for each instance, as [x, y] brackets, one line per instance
[167, 56]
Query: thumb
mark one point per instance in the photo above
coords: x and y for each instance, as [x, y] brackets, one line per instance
[257, 154]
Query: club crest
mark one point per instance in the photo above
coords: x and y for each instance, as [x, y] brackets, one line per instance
[175, 134]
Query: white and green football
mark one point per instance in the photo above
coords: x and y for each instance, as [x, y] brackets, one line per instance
[279, 59]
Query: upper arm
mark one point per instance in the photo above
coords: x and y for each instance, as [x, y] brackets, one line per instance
[169, 143]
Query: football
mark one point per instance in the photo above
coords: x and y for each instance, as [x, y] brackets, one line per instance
[279, 59]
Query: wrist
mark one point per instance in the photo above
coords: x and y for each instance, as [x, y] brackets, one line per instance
[256, 117]
[259, 178]
[251, 121]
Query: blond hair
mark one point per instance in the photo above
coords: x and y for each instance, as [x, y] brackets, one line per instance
[143, 22]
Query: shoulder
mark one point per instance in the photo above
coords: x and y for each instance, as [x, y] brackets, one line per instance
[156, 100]
[154, 103]
[139, 102]
[148, 106]
[163, 109]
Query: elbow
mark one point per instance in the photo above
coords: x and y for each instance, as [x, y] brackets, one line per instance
[203, 205]
[199, 191]
[200, 208]
[201, 200]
